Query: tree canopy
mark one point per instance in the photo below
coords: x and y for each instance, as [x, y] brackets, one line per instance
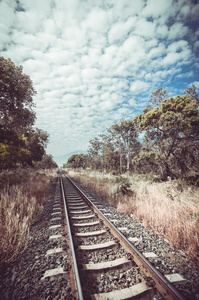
[171, 135]
[78, 161]
[125, 137]
[16, 96]
[20, 143]
[170, 147]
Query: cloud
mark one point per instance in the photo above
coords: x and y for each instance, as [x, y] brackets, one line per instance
[93, 63]
[145, 28]
[97, 20]
[177, 30]
[156, 11]
[139, 86]
[196, 83]
[120, 30]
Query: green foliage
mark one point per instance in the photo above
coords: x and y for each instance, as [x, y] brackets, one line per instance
[93, 152]
[78, 161]
[171, 143]
[110, 160]
[13, 149]
[170, 147]
[20, 144]
[46, 162]
[36, 143]
[16, 92]
[124, 134]
[22, 149]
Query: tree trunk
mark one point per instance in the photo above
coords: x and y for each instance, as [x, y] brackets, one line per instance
[121, 163]
[120, 158]
[128, 160]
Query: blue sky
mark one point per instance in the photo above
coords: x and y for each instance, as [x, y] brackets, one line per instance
[94, 62]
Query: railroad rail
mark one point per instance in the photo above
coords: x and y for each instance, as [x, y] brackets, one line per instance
[81, 212]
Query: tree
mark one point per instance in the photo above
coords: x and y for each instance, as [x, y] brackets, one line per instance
[47, 162]
[158, 96]
[13, 149]
[172, 129]
[16, 96]
[110, 160]
[125, 136]
[20, 144]
[22, 149]
[36, 142]
[107, 152]
[193, 94]
[94, 152]
[78, 161]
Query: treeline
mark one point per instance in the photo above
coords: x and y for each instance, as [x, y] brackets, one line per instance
[21, 145]
[169, 148]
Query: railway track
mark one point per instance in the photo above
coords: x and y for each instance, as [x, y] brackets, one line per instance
[105, 264]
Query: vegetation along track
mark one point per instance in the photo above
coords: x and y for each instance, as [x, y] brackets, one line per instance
[106, 265]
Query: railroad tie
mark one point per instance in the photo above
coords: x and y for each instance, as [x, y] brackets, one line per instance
[55, 226]
[53, 272]
[56, 219]
[57, 236]
[54, 251]
[120, 262]
[139, 290]
[97, 246]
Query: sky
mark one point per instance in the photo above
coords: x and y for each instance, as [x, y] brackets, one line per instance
[95, 62]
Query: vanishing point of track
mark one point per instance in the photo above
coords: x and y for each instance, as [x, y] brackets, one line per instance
[82, 213]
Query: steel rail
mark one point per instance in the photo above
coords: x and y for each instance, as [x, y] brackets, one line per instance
[78, 283]
[167, 290]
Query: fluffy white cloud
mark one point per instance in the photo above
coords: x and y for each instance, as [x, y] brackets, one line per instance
[93, 63]
[177, 30]
[156, 52]
[196, 83]
[139, 86]
[145, 28]
[120, 30]
[162, 9]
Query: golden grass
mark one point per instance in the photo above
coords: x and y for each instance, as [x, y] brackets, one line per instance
[20, 206]
[175, 219]
[168, 208]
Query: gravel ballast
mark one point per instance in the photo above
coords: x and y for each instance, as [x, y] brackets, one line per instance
[23, 278]
[167, 260]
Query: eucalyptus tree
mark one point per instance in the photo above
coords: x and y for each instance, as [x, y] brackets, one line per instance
[94, 152]
[124, 135]
[107, 151]
[172, 129]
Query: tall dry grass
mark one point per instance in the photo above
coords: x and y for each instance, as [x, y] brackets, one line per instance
[175, 218]
[102, 184]
[169, 208]
[20, 206]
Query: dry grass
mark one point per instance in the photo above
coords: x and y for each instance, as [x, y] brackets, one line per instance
[168, 208]
[176, 219]
[98, 182]
[20, 206]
